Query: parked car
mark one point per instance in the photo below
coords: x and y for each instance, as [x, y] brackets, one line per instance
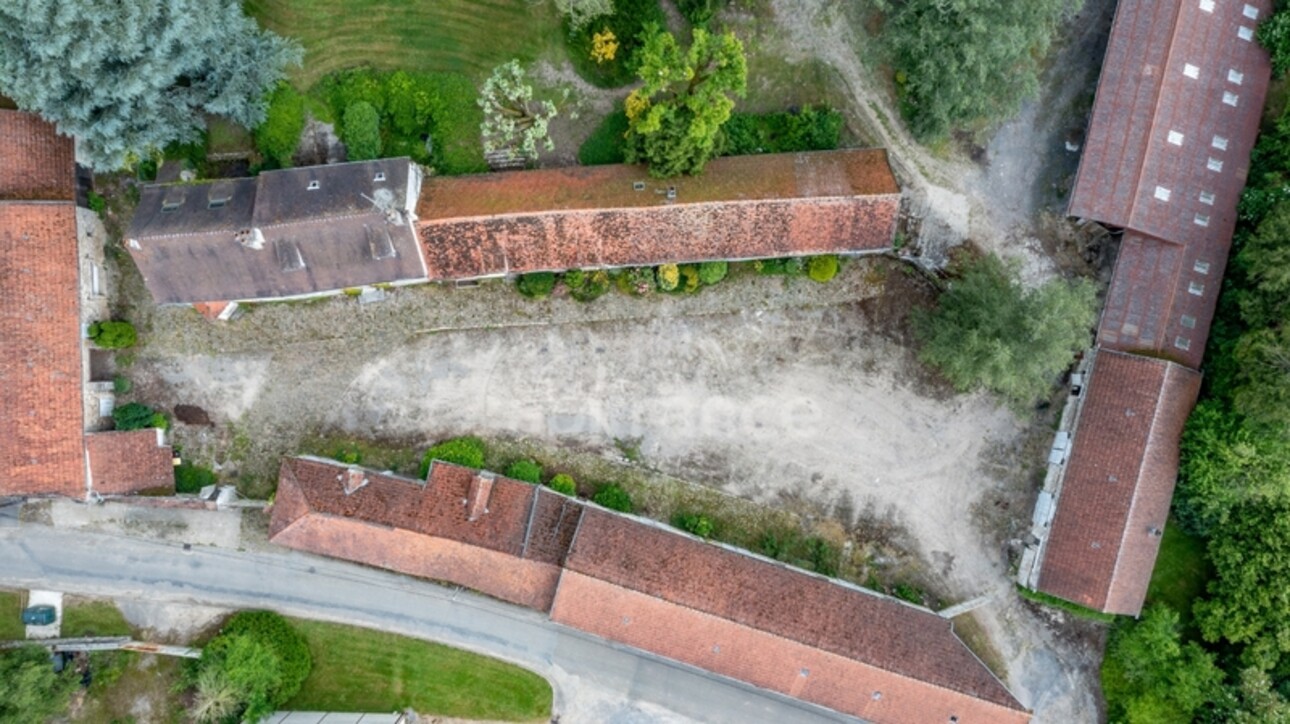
[39, 615]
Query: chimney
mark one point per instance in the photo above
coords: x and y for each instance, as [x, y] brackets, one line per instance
[481, 486]
[354, 479]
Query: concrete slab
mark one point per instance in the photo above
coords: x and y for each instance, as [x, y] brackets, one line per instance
[46, 598]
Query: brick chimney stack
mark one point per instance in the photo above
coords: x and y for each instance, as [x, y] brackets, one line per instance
[481, 487]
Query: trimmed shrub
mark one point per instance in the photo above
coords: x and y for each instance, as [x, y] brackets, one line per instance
[361, 131]
[97, 203]
[536, 285]
[690, 281]
[113, 334]
[279, 135]
[526, 470]
[465, 451]
[696, 523]
[574, 278]
[137, 416]
[563, 484]
[595, 286]
[612, 496]
[668, 277]
[823, 267]
[121, 384]
[348, 454]
[711, 272]
[190, 478]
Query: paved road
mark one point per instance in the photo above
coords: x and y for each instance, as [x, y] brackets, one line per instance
[594, 680]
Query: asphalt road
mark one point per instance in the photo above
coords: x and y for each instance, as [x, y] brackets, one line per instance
[594, 680]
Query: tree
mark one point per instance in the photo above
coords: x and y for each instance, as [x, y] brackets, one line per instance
[963, 61]
[129, 78]
[581, 12]
[361, 131]
[675, 117]
[988, 331]
[32, 693]
[1149, 675]
[1249, 601]
[279, 135]
[255, 665]
[1274, 34]
[513, 120]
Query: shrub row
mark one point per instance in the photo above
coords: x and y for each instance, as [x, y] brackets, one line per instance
[587, 285]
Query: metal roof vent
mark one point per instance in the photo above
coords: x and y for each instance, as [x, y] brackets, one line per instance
[380, 176]
[314, 185]
[671, 193]
[1153, 530]
[638, 186]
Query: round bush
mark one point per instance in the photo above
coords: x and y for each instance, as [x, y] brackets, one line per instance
[191, 478]
[711, 272]
[696, 523]
[525, 470]
[669, 276]
[563, 484]
[113, 335]
[465, 451]
[823, 268]
[536, 285]
[612, 496]
[290, 646]
[361, 131]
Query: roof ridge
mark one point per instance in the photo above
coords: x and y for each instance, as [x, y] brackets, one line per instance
[1137, 481]
[1155, 110]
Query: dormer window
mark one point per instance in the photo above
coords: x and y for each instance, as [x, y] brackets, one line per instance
[314, 186]
[380, 176]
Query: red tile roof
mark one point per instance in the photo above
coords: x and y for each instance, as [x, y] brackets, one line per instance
[751, 619]
[36, 164]
[1119, 481]
[40, 365]
[511, 550]
[743, 207]
[1154, 126]
[1162, 297]
[130, 462]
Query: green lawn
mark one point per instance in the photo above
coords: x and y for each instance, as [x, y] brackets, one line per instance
[11, 616]
[1181, 571]
[356, 669]
[93, 618]
[466, 36]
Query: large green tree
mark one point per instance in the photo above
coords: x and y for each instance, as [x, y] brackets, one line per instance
[962, 62]
[686, 95]
[1150, 675]
[127, 78]
[989, 331]
[255, 665]
[30, 691]
[1249, 599]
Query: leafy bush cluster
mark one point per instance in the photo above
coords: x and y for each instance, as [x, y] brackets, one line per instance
[700, 12]
[696, 523]
[536, 285]
[113, 334]
[605, 144]
[527, 471]
[564, 484]
[431, 117]
[191, 478]
[807, 129]
[464, 451]
[810, 552]
[820, 268]
[627, 22]
[612, 496]
[586, 286]
[32, 693]
[137, 416]
[277, 138]
[253, 667]
[360, 129]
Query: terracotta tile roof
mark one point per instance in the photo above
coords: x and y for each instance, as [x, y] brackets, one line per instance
[40, 366]
[512, 549]
[130, 462]
[1119, 481]
[38, 164]
[743, 207]
[1181, 89]
[921, 670]
[1162, 298]
[194, 242]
